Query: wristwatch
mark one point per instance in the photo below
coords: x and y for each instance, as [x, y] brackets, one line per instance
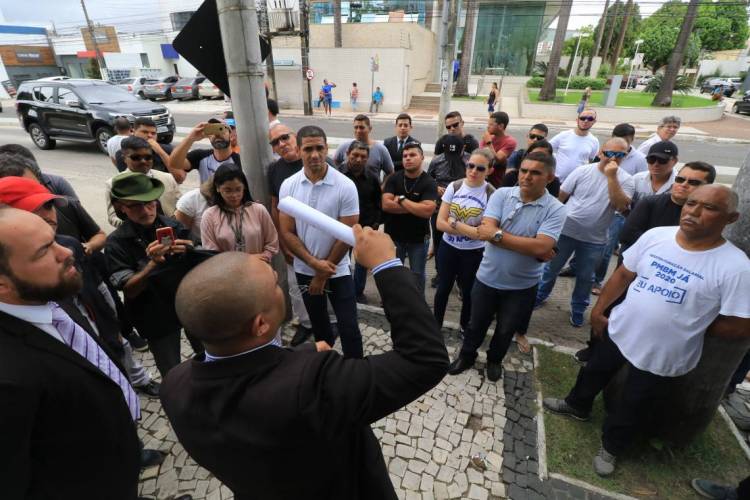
[453, 222]
[401, 199]
[498, 236]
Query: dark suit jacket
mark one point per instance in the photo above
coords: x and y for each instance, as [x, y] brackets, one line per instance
[391, 144]
[281, 424]
[66, 432]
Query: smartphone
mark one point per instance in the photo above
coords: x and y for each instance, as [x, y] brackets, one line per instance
[215, 129]
[165, 236]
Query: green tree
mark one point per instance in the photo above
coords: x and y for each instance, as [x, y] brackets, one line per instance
[587, 43]
[680, 51]
[92, 70]
[550, 79]
[659, 42]
[613, 23]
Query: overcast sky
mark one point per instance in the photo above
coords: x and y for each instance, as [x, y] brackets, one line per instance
[140, 15]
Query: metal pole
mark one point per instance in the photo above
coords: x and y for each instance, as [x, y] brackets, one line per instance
[572, 66]
[450, 14]
[89, 24]
[304, 21]
[266, 30]
[443, 20]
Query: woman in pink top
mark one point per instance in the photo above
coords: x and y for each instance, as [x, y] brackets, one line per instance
[235, 223]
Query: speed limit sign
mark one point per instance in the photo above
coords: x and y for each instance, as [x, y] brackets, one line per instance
[309, 74]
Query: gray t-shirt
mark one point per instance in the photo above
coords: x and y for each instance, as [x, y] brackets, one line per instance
[634, 162]
[589, 209]
[379, 160]
[505, 269]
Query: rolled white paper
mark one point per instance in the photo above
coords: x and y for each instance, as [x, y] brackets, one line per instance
[308, 215]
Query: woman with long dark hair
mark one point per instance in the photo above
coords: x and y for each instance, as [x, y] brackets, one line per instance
[235, 223]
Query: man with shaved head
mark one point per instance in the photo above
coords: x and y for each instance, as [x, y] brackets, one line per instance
[274, 423]
[682, 283]
[593, 193]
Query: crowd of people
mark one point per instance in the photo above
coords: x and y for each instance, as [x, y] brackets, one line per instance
[501, 223]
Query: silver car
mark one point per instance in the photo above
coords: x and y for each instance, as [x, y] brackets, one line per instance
[135, 85]
[162, 89]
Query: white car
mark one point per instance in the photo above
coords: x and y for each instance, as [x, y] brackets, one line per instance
[208, 90]
[645, 79]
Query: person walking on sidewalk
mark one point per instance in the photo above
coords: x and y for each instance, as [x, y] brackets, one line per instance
[493, 98]
[584, 102]
[682, 283]
[521, 226]
[593, 193]
[327, 90]
[354, 96]
[575, 147]
[377, 99]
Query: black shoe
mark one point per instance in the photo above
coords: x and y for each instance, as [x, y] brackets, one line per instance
[494, 371]
[567, 272]
[561, 407]
[149, 458]
[301, 335]
[361, 299]
[151, 389]
[459, 365]
[584, 355]
[434, 281]
[138, 343]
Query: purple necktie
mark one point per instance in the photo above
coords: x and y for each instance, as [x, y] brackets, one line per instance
[81, 342]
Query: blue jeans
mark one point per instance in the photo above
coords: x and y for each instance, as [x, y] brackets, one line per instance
[417, 253]
[588, 256]
[455, 265]
[614, 240]
[340, 291]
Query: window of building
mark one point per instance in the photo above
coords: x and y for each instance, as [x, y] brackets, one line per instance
[180, 19]
[144, 60]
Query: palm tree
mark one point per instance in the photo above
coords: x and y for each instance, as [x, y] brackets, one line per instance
[599, 36]
[664, 96]
[462, 86]
[621, 37]
[550, 78]
[337, 23]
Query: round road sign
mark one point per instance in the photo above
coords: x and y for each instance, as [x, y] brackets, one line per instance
[309, 74]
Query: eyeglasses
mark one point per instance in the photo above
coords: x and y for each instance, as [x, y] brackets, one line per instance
[691, 182]
[615, 154]
[535, 137]
[452, 125]
[137, 205]
[586, 118]
[141, 157]
[282, 137]
[478, 168]
[657, 159]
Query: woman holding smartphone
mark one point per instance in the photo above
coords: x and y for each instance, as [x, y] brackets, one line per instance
[235, 223]
[461, 250]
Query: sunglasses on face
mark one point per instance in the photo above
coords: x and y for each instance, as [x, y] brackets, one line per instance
[479, 168]
[141, 157]
[535, 137]
[691, 182]
[615, 154]
[586, 118]
[452, 125]
[656, 159]
[282, 137]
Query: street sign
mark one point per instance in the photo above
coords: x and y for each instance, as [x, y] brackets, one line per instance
[375, 63]
[309, 74]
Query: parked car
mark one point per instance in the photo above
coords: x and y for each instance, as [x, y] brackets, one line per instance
[710, 84]
[187, 88]
[645, 79]
[742, 105]
[82, 110]
[207, 90]
[162, 89]
[135, 85]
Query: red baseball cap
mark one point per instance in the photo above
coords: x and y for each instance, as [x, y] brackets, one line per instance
[26, 194]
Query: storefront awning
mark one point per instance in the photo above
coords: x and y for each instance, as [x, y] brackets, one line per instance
[86, 54]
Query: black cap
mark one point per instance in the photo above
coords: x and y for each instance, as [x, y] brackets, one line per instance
[663, 149]
[452, 145]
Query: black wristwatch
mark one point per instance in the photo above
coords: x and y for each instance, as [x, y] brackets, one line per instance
[401, 199]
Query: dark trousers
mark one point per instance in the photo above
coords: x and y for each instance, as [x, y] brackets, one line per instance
[743, 490]
[166, 351]
[455, 265]
[437, 237]
[642, 390]
[739, 373]
[509, 307]
[340, 291]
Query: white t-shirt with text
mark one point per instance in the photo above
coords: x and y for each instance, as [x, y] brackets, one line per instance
[467, 205]
[572, 151]
[677, 294]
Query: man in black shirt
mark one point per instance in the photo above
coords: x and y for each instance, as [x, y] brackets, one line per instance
[454, 125]
[409, 200]
[145, 128]
[395, 145]
[370, 206]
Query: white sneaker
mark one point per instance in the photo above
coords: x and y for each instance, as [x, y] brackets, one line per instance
[604, 463]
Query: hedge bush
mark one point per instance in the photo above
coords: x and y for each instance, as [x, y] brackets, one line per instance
[577, 82]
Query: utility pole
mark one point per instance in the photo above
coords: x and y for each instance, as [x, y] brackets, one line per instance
[266, 31]
[448, 51]
[441, 37]
[90, 25]
[304, 22]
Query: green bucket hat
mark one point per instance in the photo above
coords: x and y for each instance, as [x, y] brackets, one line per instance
[134, 186]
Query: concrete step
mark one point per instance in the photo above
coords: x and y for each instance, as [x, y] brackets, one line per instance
[432, 87]
[425, 102]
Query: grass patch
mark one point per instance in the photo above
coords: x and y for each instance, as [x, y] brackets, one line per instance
[643, 471]
[627, 99]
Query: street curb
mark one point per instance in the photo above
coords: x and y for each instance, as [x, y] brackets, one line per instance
[734, 430]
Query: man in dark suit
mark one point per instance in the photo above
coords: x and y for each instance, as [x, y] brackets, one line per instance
[66, 407]
[273, 423]
[395, 145]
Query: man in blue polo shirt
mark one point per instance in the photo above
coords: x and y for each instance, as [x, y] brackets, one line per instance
[521, 226]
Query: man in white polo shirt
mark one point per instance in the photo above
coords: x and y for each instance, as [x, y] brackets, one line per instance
[321, 262]
[575, 147]
[683, 283]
